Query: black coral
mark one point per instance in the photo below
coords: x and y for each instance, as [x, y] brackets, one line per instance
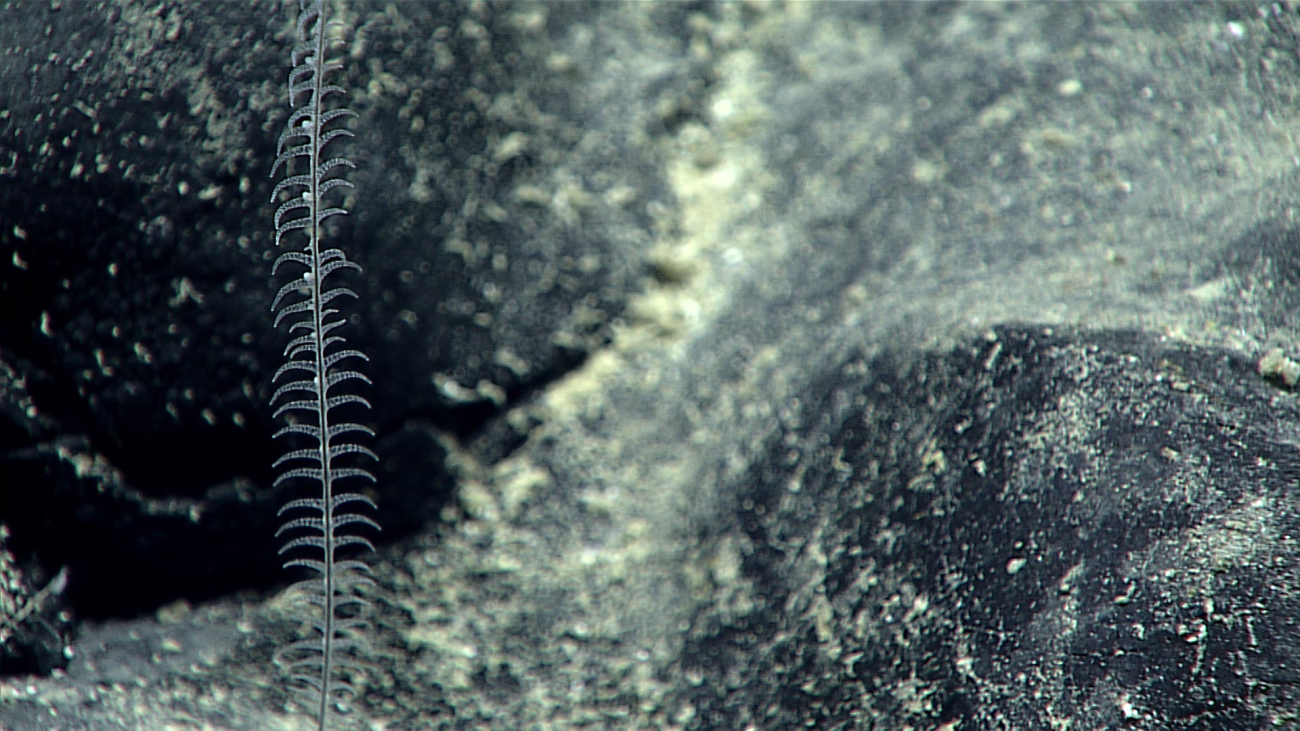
[318, 530]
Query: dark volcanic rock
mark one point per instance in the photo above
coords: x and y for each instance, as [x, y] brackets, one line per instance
[1036, 527]
[737, 365]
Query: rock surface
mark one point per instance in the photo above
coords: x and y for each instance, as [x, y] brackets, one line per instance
[838, 366]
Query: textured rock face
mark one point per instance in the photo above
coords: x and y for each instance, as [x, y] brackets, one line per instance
[737, 365]
[1033, 530]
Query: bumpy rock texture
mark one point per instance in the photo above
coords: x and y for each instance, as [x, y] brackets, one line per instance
[741, 365]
